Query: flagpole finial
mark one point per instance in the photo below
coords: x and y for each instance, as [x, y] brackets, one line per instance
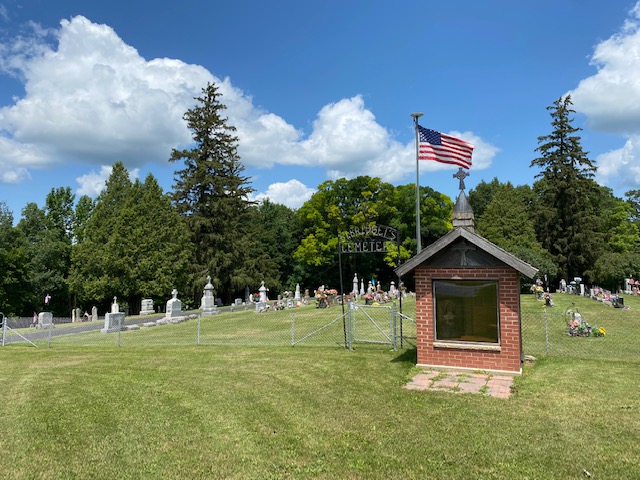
[417, 115]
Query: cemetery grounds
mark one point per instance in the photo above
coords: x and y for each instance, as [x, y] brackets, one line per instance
[234, 399]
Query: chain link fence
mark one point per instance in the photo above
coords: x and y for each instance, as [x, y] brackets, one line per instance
[610, 333]
[359, 325]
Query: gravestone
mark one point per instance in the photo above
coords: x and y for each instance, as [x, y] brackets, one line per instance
[113, 322]
[174, 306]
[261, 305]
[45, 320]
[354, 291]
[208, 304]
[297, 294]
[238, 302]
[263, 293]
[94, 314]
[115, 308]
[147, 306]
[361, 287]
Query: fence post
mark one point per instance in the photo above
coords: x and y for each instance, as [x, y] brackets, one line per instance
[120, 319]
[546, 332]
[394, 326]
[349, 328]
[293, 329]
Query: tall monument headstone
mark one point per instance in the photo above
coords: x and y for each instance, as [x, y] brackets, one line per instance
[208, 304]
[115, 308]
[261, 304]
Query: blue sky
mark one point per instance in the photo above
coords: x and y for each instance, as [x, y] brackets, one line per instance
[317, 91]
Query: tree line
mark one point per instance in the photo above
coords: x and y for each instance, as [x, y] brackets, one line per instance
[135, 241]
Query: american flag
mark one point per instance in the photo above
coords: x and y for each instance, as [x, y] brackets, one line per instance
[443, 148]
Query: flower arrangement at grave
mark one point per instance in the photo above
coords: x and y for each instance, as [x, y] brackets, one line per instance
[324, 296]
[368, 298]
[579, 328]
[539, 292]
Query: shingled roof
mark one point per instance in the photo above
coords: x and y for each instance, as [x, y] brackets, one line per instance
[462, 247]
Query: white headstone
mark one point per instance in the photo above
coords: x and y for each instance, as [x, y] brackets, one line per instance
[45, 320]
[263, 293]
[147, 306]
[113, 322]
[115, 308]
[355, 285]
[174, 306]
[94, 314]
[297, 295]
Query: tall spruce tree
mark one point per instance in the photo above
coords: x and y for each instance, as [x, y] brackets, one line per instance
[567, 220]
[211, 193]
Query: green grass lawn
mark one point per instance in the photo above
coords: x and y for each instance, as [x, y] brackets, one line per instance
[211, 411]
[227, 412]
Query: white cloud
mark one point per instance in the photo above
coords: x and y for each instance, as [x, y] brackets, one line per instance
[292, 193]
[94, 182]
[91, 98]
[94, 99]
[624, 159]
[610, 100]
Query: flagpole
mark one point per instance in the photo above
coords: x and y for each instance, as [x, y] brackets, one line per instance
[416, 116]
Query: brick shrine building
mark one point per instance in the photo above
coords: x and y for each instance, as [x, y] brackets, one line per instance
[467, 300]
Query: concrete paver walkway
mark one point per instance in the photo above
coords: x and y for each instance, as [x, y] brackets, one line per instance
[462, 382]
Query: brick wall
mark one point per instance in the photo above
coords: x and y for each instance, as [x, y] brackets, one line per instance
[507, 359]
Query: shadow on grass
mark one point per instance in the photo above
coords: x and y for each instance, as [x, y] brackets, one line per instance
[408, 355]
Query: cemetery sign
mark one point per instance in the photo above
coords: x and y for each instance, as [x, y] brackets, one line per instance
[368, 239]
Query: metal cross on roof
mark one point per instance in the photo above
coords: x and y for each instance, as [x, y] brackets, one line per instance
[461, 175]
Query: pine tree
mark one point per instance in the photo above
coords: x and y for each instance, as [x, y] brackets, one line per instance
[211, 193]
[134, 245]
[567, 221]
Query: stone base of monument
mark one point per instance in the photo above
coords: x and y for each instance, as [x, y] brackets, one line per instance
[113, 322]
[178, 319]
[149, 324]
[210, 311]
[131, 327]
